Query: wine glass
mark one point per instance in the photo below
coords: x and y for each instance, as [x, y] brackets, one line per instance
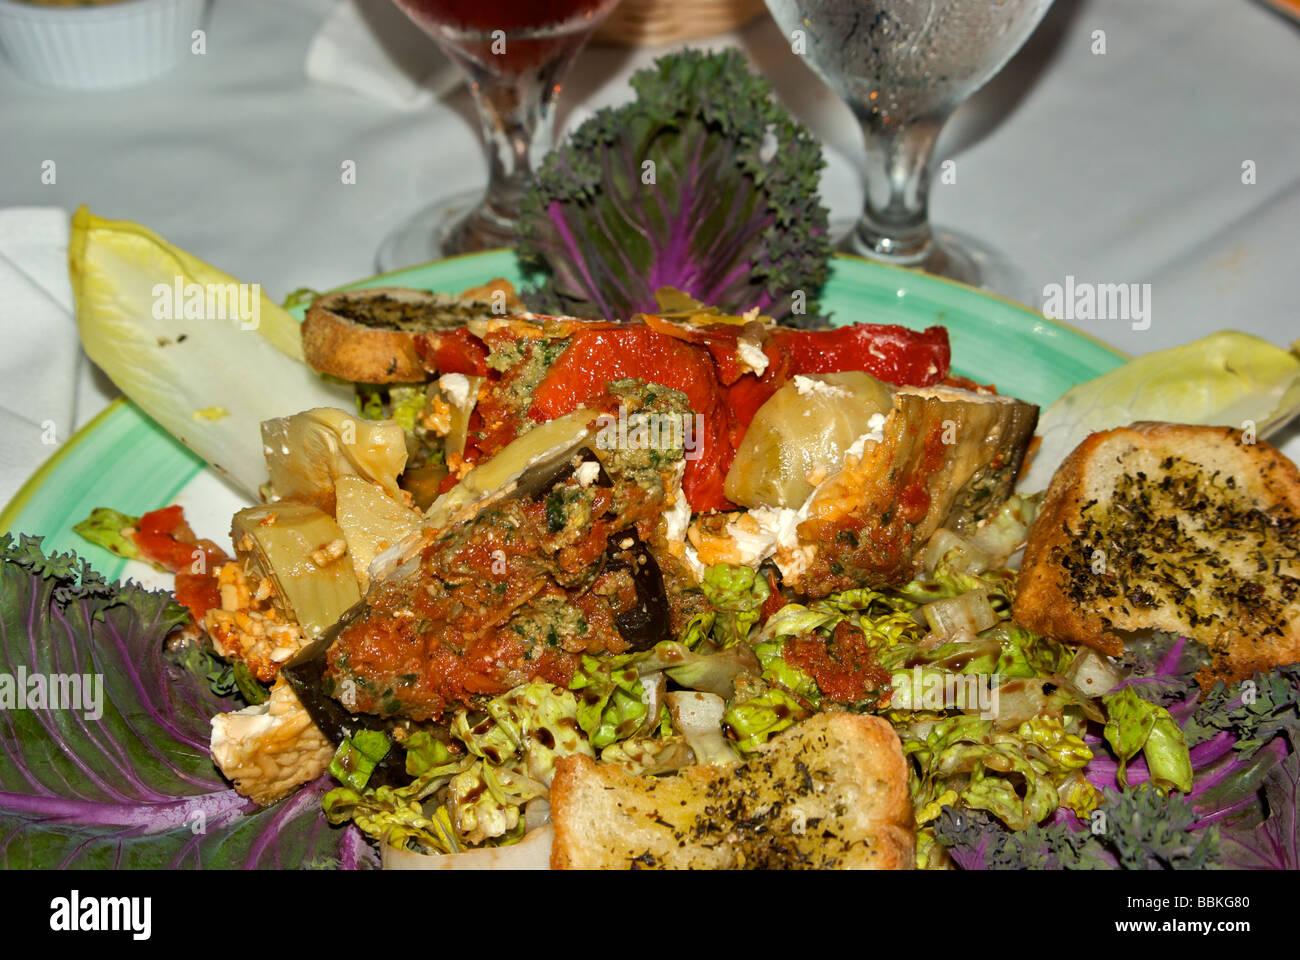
[903, 67]
[514, 54]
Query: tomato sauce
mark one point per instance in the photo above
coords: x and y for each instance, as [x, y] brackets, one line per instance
[845, 667]
[472, 621]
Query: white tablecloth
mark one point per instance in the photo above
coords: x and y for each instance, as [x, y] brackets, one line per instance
[1122, 167]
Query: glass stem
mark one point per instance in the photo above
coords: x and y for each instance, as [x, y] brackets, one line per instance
[895, 222]
[518, 117]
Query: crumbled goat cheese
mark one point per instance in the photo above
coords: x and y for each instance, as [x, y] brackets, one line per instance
[677, 518]
[807, 386]
[875, 433]
[781, 526]
[750, 543]
[694, 562]
[456, 387]
[751, 356]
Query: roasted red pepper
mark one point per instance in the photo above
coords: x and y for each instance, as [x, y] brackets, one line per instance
[891, 353]
[164, 537]
[775, 600]
[198, 593]
[595, 357]
[452, 351]
[701, 361]
[722, 340]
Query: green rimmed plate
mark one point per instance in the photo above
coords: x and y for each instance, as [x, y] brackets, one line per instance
[124, 460]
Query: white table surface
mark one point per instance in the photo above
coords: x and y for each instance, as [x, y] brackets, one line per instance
[1117, 168]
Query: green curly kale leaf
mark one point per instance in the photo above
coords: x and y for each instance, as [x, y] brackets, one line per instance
[1254, 711]
[1136, 829]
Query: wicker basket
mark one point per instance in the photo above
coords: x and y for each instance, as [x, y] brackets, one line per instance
[652, 23]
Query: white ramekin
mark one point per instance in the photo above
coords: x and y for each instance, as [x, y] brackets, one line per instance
[98, 47]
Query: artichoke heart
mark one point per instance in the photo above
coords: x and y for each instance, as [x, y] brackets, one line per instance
[307, 452]
[302, 551]
[371, 522]
[799, 436]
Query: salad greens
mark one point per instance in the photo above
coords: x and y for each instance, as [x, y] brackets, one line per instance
[397, 815]
[1134, 725]
[613, 700]
[1019, 777]
[357, 756]
[502, 761]
[533, 722]
[737, 594]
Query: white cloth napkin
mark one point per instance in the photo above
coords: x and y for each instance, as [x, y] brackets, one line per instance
[374, 50]
[41, 360]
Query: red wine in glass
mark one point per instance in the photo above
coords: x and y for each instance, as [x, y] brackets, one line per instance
[514, 53]
[542, 31]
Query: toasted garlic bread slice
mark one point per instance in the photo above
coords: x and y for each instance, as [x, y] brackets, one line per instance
[1185, 529]
[828, 793]
[368, 336]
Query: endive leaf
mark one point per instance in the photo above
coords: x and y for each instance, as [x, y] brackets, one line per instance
[208, 380]
[1225, 379]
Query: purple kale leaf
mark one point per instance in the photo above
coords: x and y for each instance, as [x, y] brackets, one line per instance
[703, 183]
[1243, 810]
[1242, 741]
[1274, 842]
[118, 775]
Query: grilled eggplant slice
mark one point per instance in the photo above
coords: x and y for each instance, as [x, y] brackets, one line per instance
[947, 458]
[304, 674]
[645, 622]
